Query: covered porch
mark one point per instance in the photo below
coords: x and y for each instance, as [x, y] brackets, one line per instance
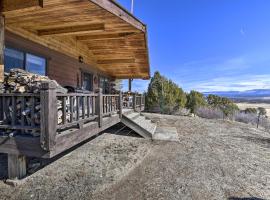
[99, 34]
[75, 38]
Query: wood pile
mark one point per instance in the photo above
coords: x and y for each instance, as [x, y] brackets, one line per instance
[20, 81]
[27, 108]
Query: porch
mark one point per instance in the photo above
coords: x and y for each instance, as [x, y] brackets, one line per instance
[65, 119]
[80, 44]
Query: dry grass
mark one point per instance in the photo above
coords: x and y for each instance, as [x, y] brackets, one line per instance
[213, 159]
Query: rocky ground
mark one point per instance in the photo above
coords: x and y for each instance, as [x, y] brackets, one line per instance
[213, 159]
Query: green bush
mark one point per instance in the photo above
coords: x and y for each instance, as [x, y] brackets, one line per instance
[163, 95]
[227, 106]
[195, 100]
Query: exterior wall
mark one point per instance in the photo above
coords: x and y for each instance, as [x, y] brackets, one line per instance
[60, 67]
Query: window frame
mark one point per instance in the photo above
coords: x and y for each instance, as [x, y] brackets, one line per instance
[25, 52]
[92, 80]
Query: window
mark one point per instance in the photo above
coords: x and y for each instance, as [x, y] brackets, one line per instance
[104, 84]
[87, 81]
[19, 59]
[13, 59]
[35, 64]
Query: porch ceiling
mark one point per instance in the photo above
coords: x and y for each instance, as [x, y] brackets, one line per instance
[104, 34]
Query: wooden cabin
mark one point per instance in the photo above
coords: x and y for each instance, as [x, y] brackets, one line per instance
[81, 44]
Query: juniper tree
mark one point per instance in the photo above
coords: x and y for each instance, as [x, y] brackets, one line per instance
[164, 94]
[195, 100]
[261, 112]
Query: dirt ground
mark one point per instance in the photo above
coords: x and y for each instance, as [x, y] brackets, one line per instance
[212, 160]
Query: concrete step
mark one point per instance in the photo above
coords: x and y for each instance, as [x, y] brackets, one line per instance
[133, 115]
[139, 123]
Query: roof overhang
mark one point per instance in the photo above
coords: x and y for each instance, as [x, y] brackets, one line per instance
[107, 36]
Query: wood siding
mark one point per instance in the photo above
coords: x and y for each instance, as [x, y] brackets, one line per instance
[60, 67]
[107, 36]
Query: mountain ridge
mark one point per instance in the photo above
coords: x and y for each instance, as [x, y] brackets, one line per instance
[241, 94]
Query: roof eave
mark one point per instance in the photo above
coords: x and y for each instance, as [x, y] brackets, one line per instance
[116, 9]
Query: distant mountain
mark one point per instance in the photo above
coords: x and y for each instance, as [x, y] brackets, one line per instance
[258, 93]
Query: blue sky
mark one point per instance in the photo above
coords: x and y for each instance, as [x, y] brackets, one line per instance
[208, 45]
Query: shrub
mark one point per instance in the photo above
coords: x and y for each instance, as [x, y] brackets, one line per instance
[248, 118]
[209, 113]
[195, 100]
[163, 95]
[250, 110]
[181, 112]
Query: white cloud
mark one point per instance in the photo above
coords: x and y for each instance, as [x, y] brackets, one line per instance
[242, 31]
[241, 83]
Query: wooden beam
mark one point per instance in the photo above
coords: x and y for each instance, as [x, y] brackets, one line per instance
[72, 29]
[114, 8]
[10, 5]
[22, 145]
[103, 36]
[116, 61]
[2, 46]
[16, 166]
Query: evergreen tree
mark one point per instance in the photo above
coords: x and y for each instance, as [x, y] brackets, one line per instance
[227, 106]
[164, 95]
[195, 100]
[250, 111]
[261, 113]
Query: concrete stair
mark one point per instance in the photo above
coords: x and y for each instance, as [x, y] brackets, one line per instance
[140, 124]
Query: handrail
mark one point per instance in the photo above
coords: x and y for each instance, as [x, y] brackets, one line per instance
[48, 113]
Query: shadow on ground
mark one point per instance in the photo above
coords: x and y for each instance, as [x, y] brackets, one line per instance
[246, 198]
[264, 142]
[35, 164]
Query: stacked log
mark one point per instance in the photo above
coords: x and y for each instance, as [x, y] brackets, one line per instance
[27, 108]
[20, 81]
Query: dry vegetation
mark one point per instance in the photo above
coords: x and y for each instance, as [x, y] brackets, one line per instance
[213, 159]
[244, 105]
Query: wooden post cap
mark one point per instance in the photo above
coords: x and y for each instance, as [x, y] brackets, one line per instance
[45, 85]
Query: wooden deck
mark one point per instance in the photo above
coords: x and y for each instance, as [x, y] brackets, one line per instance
[83, 116]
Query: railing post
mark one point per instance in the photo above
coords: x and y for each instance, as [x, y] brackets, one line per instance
[134, 101]
[120, 105]
[48, 115]
[2, 46]
[100, 107]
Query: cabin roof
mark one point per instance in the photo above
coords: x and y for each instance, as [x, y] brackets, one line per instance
[106, 35]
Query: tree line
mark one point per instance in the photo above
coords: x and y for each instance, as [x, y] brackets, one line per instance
[166, 97]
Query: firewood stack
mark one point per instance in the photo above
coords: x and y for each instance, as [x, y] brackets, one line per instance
[20, 81]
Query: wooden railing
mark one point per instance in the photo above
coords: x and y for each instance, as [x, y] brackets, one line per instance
[49, 114]
[133, 101]
[110, 104]
[20, 112]
[75, 109]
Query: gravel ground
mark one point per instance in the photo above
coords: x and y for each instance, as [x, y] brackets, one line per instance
[87, 170]
[212, 160]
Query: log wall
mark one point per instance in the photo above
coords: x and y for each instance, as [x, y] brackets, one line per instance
[60, 67]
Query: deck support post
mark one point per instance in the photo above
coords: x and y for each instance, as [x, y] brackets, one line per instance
[129, 84]
[48, 125]
[100, 107]
[134, 101]
[120, 105]
[141, 102]
[2, 46]
[16, 166]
